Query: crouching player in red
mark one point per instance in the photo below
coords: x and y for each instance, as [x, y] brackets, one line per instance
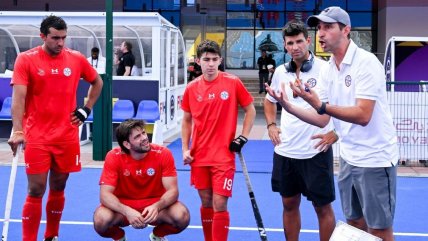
[138, 186]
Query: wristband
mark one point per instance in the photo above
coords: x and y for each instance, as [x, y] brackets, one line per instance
[18, 132]
[321, 110]
[273, 123]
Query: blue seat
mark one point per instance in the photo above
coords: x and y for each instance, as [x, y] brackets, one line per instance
[5, 112]
[122, 110]
[148, 110]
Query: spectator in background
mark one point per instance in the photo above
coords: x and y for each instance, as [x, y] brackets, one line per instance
[263, 62]
[97, 61]
[271, 68]
[221, 66]
[194, 69]
[126, 61]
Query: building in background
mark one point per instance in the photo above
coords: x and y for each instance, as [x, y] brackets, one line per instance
[241, 27]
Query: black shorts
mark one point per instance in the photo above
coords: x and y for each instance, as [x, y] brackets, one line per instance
[311, 177]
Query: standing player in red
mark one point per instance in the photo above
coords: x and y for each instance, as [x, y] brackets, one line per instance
[210, 104]
[46, 120]
[139, 187]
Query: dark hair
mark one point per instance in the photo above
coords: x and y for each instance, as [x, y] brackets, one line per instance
[52, 21]
[128, 45]
[208, 46]
[293, 28]
[123, 131]
[342, 26]
[95, 50]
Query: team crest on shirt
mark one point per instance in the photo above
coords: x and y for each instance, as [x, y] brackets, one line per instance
[224, 95]
[150, 171]
[348, 80]
[41, 72]
[312, 82]
[199, 98]
[67, 71]
[126, 173]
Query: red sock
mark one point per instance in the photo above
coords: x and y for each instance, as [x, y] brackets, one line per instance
[221, 222]
[31, 216]
[207, 222]
[114, 232]
[54, 208]
[165, 229]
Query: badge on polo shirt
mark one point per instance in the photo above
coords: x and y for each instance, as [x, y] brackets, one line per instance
[348, 80]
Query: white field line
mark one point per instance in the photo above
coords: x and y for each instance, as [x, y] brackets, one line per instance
[231, 228]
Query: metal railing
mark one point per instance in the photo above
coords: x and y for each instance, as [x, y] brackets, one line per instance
[408, 102]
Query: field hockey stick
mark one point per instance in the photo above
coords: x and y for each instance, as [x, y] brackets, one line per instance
[256, 211]
[9, 197]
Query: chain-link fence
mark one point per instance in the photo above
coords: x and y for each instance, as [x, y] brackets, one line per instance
[408, 102]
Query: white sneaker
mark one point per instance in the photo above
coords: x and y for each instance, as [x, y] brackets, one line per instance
[153, 237]
[51, 239]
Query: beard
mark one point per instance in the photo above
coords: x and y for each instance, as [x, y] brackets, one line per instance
[142, 148]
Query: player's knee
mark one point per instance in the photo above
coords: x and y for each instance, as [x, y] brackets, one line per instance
[220, 203]
[101, 222]
[291, 204]
[325, 210]
[36, 190]
[181, 217]
[359, 223]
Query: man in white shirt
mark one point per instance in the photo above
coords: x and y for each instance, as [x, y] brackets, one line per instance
[97, 61]
[299, 168]
[353, 92]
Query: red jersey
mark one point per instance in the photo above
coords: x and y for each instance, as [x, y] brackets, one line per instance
[138, 179]
[51, 93]
[214, 109]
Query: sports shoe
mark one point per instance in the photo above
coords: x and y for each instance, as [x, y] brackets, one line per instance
[153, 237]
[51, 239]
[121, 239]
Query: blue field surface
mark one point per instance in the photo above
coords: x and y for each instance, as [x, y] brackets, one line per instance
[82, 197]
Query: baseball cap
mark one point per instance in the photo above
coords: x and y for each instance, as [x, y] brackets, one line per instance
[332, 14]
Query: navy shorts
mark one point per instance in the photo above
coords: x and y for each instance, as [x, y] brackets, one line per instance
[313, 177]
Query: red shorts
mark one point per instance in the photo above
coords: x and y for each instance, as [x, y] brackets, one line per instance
[63, 158]
[138, 205]
[218, 178]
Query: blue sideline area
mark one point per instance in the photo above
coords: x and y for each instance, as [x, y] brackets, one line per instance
[82, 197]
[258, 156]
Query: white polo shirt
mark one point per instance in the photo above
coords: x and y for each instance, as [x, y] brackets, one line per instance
[361, 76]
[296, 134]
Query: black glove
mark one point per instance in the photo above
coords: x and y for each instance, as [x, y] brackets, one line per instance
[82, 113]
[237, 144]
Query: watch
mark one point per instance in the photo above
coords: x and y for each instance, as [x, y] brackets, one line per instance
[270, 124]
[321, 110]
